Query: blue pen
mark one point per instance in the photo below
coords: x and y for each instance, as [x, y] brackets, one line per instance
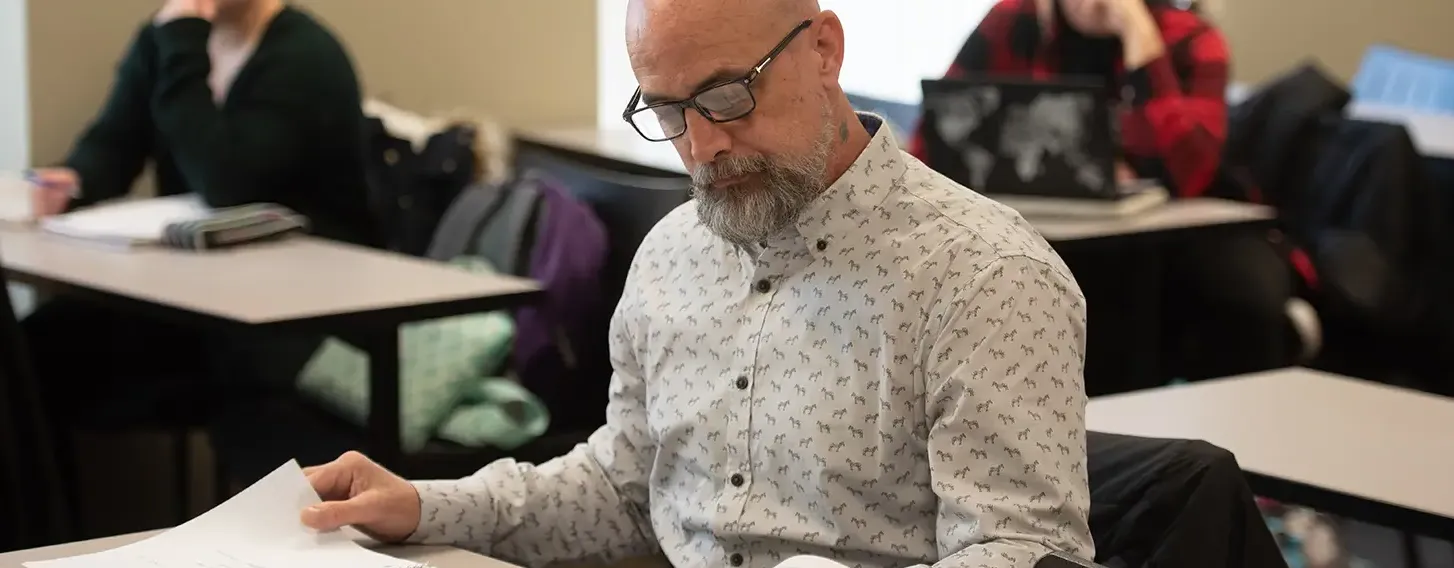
[32, 178]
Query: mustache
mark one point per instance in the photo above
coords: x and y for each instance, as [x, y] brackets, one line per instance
[705, 175]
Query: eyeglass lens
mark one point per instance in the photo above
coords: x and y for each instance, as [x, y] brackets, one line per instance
[725, 102]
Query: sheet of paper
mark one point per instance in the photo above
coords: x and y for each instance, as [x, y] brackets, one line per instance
[14, 198]
[808, 561]
[257, 528]
[139, 220]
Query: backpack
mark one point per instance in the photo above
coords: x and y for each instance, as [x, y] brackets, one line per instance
[532, 227]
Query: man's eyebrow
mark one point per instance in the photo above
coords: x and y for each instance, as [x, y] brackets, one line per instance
[717, 77]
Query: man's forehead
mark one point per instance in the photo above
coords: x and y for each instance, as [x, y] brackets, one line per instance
[679, 58]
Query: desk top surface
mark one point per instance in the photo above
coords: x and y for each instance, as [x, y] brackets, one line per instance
[626, 146]
[1433, 133]
[434, 556]
[289, 280]
[1354, 437]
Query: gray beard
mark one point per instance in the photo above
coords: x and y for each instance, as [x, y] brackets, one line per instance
[770, 202]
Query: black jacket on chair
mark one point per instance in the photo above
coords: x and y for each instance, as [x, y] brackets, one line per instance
[1181, 503]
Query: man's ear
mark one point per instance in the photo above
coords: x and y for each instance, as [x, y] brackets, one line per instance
[828, 43]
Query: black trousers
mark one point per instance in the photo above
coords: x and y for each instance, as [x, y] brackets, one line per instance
[1220, 301]
[94, 362]
[101, 368]
[1226, 306]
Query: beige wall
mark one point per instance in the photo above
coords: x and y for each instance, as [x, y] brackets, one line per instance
[521, 61]
[1270, 36]
[534, 62]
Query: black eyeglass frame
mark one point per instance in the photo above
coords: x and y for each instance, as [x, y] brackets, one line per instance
[745, 80]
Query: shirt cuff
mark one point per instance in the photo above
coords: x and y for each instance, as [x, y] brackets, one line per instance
[1156, 79]
[183, 34]
[447, 513]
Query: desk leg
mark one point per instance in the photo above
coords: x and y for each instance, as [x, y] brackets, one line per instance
[1146, 279]
[1412, 556]
[382, 347]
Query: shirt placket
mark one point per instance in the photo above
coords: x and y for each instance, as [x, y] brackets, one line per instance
[765, 274]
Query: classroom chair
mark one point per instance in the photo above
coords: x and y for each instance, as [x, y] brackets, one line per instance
[903, 118]
[251, 440]
[36, 508]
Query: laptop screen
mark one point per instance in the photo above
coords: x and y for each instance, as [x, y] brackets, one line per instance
[1021, 137]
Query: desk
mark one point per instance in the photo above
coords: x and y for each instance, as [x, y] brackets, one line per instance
[625, 146]
[1349, 447]
[297, 284]
[434, 556]
[1143, 235]
[1433, 133]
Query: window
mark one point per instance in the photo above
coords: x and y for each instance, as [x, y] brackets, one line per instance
[889, 49]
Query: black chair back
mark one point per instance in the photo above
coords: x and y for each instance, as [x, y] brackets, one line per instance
[628, 200]
[629, 203]
[33, 502]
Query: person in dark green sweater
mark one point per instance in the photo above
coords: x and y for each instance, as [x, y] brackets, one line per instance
[239, 101]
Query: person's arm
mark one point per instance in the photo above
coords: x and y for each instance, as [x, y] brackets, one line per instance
[1006, 402]
[228, 154]
[590, 503]
[111, 152]
[973, 57]
[1179, 95]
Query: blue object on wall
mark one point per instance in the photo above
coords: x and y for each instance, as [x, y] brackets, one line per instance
[1396, 77]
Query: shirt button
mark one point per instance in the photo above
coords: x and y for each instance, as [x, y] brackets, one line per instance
[764, 286]
[742, 383]
[737, 480]
[822, 245]
[735, 559]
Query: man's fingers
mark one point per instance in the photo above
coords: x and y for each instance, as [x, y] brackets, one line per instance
[332, 481]
[332, 515]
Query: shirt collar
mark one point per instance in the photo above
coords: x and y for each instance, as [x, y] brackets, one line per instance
[845, 206]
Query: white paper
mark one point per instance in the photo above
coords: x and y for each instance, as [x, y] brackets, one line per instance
[809, 561]
[15, 205]
[135, 221]
[257, 528]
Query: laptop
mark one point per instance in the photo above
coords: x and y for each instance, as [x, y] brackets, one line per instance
[1048, 145]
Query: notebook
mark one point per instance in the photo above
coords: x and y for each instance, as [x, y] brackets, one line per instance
[257, 528]
[138, 221]
[180, 221]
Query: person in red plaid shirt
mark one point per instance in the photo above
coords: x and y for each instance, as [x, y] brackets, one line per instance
[1168, 68]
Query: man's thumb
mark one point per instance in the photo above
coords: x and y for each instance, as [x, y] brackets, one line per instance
[332, 515]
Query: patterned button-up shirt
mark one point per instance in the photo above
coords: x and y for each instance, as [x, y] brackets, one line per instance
[896, 380]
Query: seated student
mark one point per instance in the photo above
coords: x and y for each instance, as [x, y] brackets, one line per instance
[238, 101]
[1168, 67]
[832, 350]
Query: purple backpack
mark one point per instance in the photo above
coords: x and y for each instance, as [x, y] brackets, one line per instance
[533, 227]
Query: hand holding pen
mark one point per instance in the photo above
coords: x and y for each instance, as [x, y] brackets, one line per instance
[52, 190]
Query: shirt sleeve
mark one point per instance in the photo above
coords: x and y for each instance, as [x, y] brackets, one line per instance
[1180, 100]
[588, 504]
[113, 149]
[1006, 403]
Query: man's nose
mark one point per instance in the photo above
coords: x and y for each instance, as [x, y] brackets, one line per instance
[706, 140]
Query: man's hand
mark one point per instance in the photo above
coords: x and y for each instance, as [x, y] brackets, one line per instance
[51, 190]
[358, 492]
[176, 9]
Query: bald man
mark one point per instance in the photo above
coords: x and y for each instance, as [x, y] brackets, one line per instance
[832, 351]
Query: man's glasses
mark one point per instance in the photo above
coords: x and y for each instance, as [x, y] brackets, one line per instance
[723, 102]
